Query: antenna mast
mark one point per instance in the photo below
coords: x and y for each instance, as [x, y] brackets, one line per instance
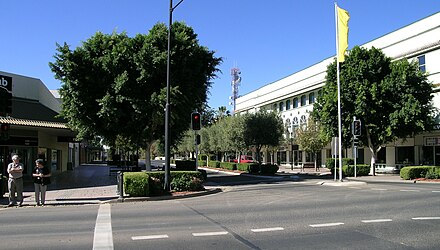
[236, 79]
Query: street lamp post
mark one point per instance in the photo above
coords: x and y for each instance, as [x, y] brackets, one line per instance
[167, 186]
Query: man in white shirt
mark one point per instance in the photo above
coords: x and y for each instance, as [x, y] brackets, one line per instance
[15, 182]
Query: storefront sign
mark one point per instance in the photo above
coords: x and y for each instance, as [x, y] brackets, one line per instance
[432, 141]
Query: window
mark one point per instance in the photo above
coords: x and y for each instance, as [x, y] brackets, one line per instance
[311, 98]
[320, 92]
[303, 100]
[275, 107]
[287, 104]
[303, 120]
[281, 106]
[295, 102]
[422, 65]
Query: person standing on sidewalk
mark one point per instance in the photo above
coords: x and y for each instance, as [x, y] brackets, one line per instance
[41, 176]
[15, 182]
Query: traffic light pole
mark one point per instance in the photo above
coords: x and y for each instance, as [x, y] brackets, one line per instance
[197, 150]
[167, 181]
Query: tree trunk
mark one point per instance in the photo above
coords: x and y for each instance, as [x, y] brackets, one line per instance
[148, 157]
[373, 151]
[316, 165]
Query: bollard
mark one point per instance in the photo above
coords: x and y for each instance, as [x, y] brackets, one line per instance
[120, 186]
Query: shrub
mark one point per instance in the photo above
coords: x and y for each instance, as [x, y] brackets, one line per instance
[185, 165]
[330, 163]
[361, 170]
[214, 164]
[254, 168]
[244, 167]
[409, 173]
[187, 181]
[228, 165]
[136, 184]
[156, 183]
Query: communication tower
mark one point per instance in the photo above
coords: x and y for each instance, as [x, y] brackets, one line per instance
[236, 79]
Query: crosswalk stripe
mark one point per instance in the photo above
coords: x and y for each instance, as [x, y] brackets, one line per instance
[426, 218]
[103, 237]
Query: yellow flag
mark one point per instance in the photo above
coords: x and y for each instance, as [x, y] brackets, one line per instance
[343, 18]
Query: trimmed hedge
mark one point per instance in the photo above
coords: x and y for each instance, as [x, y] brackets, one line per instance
[361, 170]
[141, 184]
[330, 162]
[136, 184]
[414, 172]
[228, 165]
[268, 169]
[214, 164]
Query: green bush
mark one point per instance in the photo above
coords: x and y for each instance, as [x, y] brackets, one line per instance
[228, 165]
[244, 167]
[201, 163]
[330, 163]
[214, 164]
[361, 170]
[156, 183]
[254, 168]
[187, 181]
[414, 172]
[136, 184]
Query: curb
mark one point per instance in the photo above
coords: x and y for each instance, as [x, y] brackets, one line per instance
[166, 197]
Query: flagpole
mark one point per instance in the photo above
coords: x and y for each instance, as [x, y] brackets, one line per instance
[339, 95]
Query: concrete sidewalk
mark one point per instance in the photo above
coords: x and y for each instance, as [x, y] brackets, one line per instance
[86, 184]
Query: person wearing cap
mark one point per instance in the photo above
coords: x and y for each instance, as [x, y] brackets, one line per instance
[41, 175]
[15, 182]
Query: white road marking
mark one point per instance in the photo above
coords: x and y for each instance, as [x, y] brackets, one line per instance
[103, 237]
[379, 189]
[327, 224]
[426, 218]
[436, 191]
[409, 190]
[150, 237]
[210, 234]
[270, 229]
[377, 221]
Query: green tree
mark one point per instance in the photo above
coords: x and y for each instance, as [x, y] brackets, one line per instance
[262, 129]
[114, 85]
[310, 138]
[392, 99]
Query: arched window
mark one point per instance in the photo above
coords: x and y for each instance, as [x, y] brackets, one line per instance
[281, 106]
[303, 120]
[288, 104]
[303, 100]
[312, 98]
[274, 106]
[295, 102]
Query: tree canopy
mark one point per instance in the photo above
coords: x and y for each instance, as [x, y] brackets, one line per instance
[114, 85]
[393, 99]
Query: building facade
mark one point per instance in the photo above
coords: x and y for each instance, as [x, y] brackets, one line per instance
[293, 97]
[34, 128]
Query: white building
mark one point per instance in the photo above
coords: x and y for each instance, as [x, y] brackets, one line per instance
[294, 95]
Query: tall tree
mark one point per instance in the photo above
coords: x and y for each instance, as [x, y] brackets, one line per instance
[262, 129]
[392, 99]
[116, 85]
[310, 138]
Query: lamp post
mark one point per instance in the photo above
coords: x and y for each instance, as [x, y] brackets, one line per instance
[167, 185]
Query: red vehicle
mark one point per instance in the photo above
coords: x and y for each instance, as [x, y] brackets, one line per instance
[245, 159]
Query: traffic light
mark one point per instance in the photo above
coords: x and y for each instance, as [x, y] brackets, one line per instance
[195, 121]
[357, 127]
[4, 132]
[198, 140]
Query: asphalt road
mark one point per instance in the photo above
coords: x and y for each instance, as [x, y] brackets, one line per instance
[288, 215]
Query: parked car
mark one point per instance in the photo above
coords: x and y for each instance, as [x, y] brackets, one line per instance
[245, 159]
